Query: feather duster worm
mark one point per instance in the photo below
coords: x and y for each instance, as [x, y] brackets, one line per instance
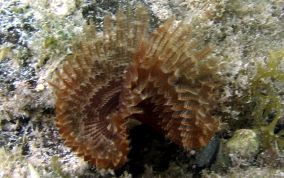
[124, 74]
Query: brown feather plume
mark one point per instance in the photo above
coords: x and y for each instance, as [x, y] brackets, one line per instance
[88, 90]
[123, 74]
[172, 89]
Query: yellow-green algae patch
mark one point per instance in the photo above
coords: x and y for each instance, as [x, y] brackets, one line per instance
[268, 102]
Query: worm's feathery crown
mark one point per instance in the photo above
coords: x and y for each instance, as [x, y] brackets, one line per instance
[172, 89]
[88, 90]
[155, 79]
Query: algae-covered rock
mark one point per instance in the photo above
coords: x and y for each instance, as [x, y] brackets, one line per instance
[222, 163]
[244, 144]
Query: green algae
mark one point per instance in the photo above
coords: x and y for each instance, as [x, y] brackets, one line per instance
[268, 103]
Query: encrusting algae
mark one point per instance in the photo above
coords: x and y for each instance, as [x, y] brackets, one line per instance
[159, 79]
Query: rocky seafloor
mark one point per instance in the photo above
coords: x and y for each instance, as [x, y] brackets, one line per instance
[248, 39]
